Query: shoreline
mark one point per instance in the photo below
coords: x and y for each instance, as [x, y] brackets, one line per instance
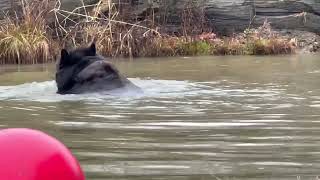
[35, 39]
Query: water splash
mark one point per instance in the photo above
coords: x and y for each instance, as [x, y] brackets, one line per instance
[46, 91]
[209, 91]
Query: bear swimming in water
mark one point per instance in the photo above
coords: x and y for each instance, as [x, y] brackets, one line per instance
[84, 71]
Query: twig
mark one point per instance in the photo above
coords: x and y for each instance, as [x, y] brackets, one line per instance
[105, 19]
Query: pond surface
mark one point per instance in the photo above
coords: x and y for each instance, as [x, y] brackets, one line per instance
[198, 118]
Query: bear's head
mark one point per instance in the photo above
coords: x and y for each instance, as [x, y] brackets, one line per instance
[75, 56]
[71, 63]
[83, 70]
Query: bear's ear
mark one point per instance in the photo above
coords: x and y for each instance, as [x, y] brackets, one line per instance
[92, 49]
[64, 53]
[64, 57]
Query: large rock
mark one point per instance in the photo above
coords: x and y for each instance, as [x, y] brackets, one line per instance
[5, 4]
[66, 4]
[228, 16]
[13, 6]
[289, 14]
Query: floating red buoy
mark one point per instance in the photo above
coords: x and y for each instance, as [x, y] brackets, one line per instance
[27, 154]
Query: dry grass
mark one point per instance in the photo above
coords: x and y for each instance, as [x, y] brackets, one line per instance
[23, 43]
[24, 40]
[265, 41]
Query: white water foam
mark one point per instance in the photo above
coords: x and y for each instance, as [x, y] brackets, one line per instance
[46, 91]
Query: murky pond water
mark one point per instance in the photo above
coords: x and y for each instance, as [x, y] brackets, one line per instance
[198, 118]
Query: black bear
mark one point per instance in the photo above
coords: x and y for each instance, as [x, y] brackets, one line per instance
[82, 70]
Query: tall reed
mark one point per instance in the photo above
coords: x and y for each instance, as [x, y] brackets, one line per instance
[23, 40]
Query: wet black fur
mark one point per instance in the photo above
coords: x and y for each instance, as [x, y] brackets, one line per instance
[82, 70]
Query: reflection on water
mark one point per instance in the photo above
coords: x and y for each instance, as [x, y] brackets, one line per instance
[198, 118]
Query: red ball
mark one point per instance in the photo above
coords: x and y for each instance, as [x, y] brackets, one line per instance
[27, 154]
